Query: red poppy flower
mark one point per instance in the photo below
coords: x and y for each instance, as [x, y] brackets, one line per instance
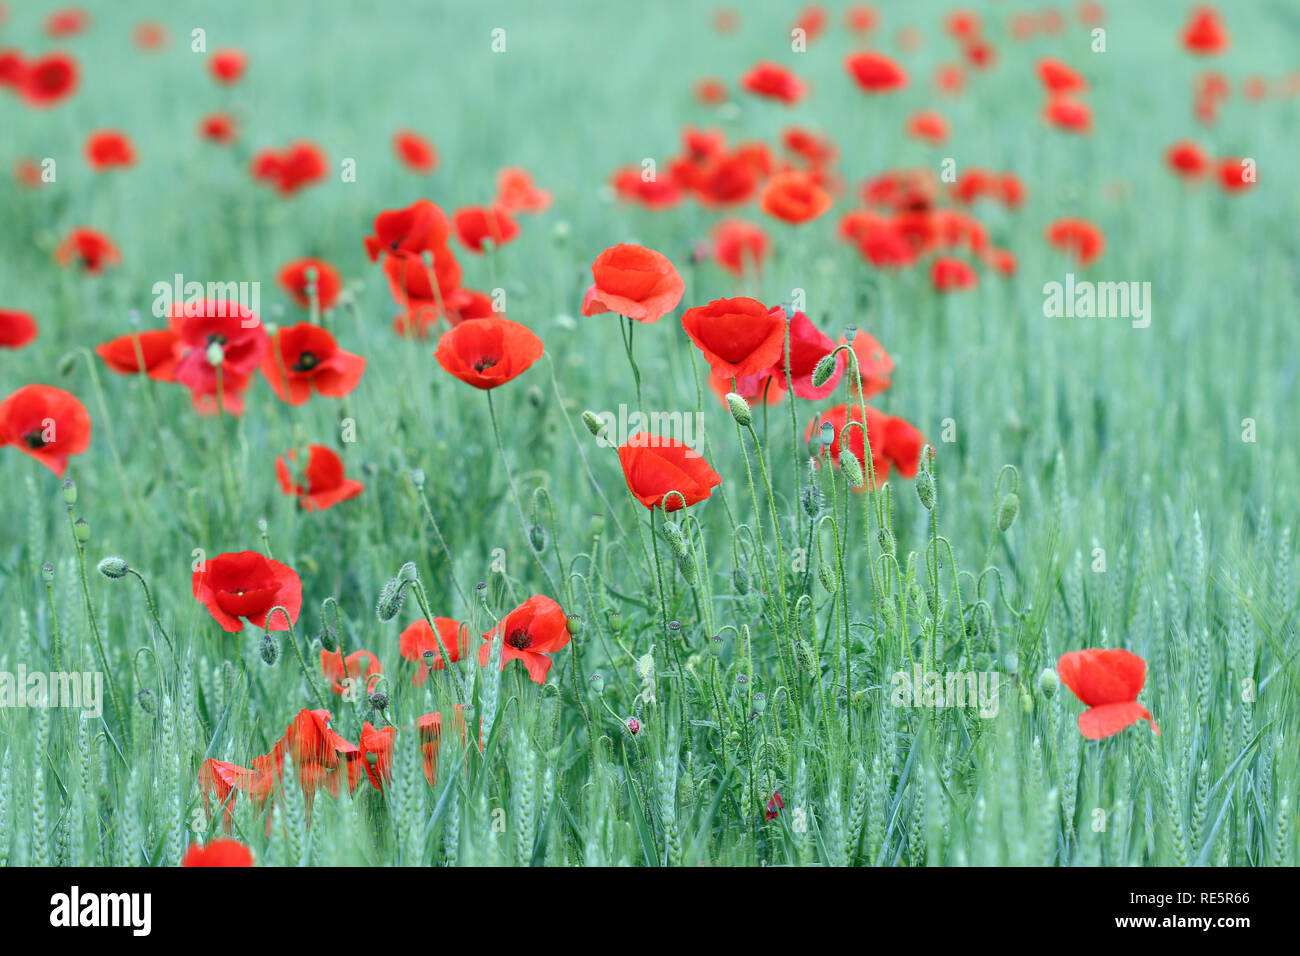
[710, 91]
[516, 192]
[304, 358]
[358, 666]
[296, 281]
[881, 243]
[952, 275]
[1071, 115]
[654, 467]
[49, 80]
[218, 853]
[740, 246]
[16, 329]
[774, 82]
[729, 180]
[530, 634]
[247, 584]
[321, 484]
[243, 341]
[1002, 261]
[981, 54]
[1236, 175]
[430, 729]
[411, 281]
[928, 126]
[88, 248]
[1108, 682]
[46, 423]
[227, 66]
[861, 18]
[152, 351]
[1078, 237]
[414, 229]
[12, 69]
[633, 281]
[67, 22]
[378, 744]
[1058, 76]
[875, 72]
[108, 149]
[811, 20]
[808, 346]
[415, 152]
[220, 128]
[894, 442]
[448, 645]
[1254, 87]
[460, 306]
[811, 147]
[150, 35]
[1187, 159]
[298, 165]
[486, 353]
[220, 779]
[1205, 33]
[774, 806]
[795, 197]
[739, 336]
[659, 192]
[476, 225]
[963, 25]
[874, 364]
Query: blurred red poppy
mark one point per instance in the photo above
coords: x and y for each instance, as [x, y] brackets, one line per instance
[530, 634]
[808, 346]
[49, 80]
[654, 467]
[322, 483]
[1205, 33]
[738, 337]
[477, 225]
[354, 671]
[305, 358]
[378, 744]
[949, 78]
[633, 281]
[420, 645]
[952, 275]
[409, 231]
[517, 193]
[1078, 237]
[16, 329]
[296, 279]
[489, 352]
[928, 126]
[1108, 682]
[12, 69]
[47, 423]
[794, 197]
[710, 91]
[247, 585]
[298, 165]
[415, 152]
[88, 248]
[740, 246]
[1058, 76]
[1236, 175]
[1068, 114]
[218, 852]
[227, 66]
[150, 35]
[774, 82]
[108, 149]
[875, 72]
[152, 351]
[894, 442]
[656, 192]
[241, 340]
[1187, 159]
[220, 128]
[66, 22]
[412, 282]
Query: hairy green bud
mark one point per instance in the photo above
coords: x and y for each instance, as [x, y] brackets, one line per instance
[113, 567]
[824, 370]
[739, 409]
[1048, 682]
[1008, 508]
[925, 489]
[391, 597]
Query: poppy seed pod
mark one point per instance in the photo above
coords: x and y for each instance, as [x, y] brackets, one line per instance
[574, 623]
[417, 478]
[598, 683]
[378, 701]
[113, 567]
[1048, 682]
[593, 422]
[759, 703]
[69, 492]
[391, 597]
[925, 489]
[1008, 508]
[81, 530]
[852, 470]
[47, 572]
[739, 409]
[823, 371]
[269, 649]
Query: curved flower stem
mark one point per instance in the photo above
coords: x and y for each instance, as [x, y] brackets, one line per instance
[94, 629]
[293, 639]
[153, 609]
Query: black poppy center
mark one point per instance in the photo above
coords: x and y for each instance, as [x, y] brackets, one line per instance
[485, 363]
[519, 639]
[216, 338]
[306, 362]
[35, 439]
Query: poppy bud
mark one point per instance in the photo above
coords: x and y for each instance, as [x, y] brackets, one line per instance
[391, 597]
[146, 701]
[886, 539]
[1011, 662]
[560, 231]
[113, 567]
[47, 572]
[329, 640]
[574, 624]
[417, 478]
[69, 491]
[594, 423]
[262, 526]
[216, 354]
[739, 409]
[536, 397]
[633, 726]
[890, 615]
[1007, 511]
[67, 364]
[537, 538]
[827, 575]
[759, 703]
[616, 622]
[1048, 682]
[852, 470]
[269, 648]
[406, 573]
[598, 683]
[740, 581]
[378, 701]
[807, 655]
[1026, 702]
[597, 525]
[925, 489]
[824, 370]
[676, 540]
[812, 500]
[81, 530]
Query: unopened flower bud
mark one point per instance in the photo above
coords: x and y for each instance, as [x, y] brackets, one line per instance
[146, 701]
[1008, 508]
[1048, 682]
[827, 576]
[113, 567]
[633, 726]
[886, 539]
[329, 639]
[740, 581]
[537, 538]
[406, 572]
[595, 424]
[269, 648]
[1026, 702]
[676, 540]
[812, 500]
[925, 489]
[378, 701]
[852, 469]
[824, 369]
[391, 597]
[739, 409]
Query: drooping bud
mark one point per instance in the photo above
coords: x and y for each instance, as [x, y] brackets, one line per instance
[1008, 508]
[739, 409]
[740, 581]
[925, 489]
[676, 540]
[1048, 682]
[823, 371]
[886, 539]
[406, 573]
[826, 574]
[852, 470]
[595, 424]
[537, 538]
[269, 649]
[391, 597]
[812, 500]
[113, 567]
[329, 639]
[146, 701]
